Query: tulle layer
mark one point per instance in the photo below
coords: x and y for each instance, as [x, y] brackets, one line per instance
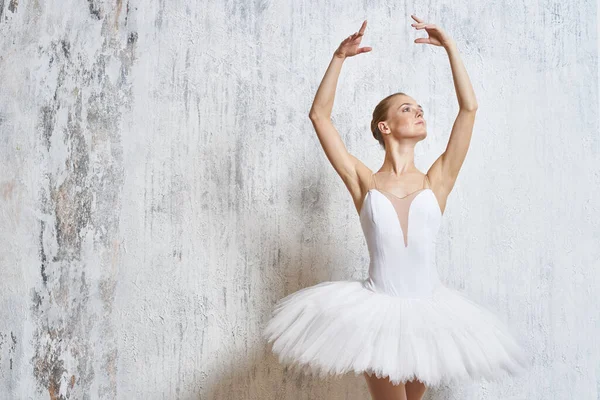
[337, 327]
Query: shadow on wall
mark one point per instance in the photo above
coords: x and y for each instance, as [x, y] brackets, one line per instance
[257, 374]
[266, 379]
[260, 377]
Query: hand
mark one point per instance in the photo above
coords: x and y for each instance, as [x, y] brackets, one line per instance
[436, 37]
[349, 46]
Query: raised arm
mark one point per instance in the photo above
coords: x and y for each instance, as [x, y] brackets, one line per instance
[444, 171]
[346, 165]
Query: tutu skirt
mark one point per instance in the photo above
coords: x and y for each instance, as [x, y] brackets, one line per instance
[337, 327]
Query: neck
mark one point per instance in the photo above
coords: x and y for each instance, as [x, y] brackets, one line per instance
[400, 159]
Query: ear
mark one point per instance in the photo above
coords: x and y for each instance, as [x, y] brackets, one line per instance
[383, 128]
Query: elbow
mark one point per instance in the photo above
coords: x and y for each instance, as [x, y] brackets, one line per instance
[314, 116]
[470, 107]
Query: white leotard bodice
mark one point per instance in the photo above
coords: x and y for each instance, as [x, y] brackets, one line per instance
[401, 235]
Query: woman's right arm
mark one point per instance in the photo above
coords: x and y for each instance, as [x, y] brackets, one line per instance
[348, 167]
[320, 116]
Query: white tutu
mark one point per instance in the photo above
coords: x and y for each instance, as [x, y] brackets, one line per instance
[333, 328]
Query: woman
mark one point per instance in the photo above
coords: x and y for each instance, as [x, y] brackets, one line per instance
[401, 328]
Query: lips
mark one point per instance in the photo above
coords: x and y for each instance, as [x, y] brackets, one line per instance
[421, 122]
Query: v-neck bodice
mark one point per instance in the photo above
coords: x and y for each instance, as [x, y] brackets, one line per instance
[400, 233]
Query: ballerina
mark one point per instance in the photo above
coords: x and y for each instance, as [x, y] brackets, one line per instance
[401, 328]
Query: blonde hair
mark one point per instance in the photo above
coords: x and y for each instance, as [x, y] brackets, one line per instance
[380, 114]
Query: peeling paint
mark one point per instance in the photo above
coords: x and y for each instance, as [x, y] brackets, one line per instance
[81, 127]
[12, 6]
[95, 11]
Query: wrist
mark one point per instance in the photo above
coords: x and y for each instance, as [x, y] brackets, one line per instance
[450, 45]
[341, 56]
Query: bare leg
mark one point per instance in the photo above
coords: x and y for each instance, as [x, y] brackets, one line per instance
[383, 389]
[415, 390]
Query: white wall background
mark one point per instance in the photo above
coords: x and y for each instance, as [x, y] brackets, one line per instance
[161, 187]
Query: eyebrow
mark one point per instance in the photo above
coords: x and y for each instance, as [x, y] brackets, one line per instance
[410, 104]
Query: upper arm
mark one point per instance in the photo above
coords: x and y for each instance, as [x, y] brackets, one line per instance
[349, 168]
[444, 171]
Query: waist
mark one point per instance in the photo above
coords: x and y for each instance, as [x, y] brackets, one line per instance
[403, 281]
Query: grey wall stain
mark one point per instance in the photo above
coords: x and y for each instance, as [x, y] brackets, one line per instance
[95, 10]
[12, 6]
[8, 342]
[82, 199]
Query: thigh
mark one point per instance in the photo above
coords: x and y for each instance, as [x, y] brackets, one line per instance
[415, 390]
[383, 389]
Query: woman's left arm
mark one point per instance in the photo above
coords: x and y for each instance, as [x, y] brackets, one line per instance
[453, 157]
[444, 171]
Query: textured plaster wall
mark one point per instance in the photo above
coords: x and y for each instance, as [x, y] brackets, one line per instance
[161, 187]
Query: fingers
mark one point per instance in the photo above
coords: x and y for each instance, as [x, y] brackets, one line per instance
[354, 36]
[423, 40]
[424, 26]
[357, 35]
[350, 39]
[361, 31]
[415, 18]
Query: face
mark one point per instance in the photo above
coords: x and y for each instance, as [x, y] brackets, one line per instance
[405, 119]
